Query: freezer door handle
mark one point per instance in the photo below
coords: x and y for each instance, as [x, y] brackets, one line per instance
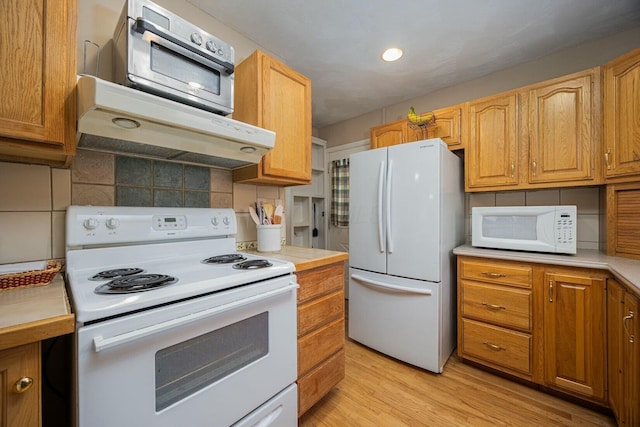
[387, 286]
[380, 190]
[388, 203]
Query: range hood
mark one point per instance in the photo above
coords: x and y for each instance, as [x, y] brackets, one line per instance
[119, 119]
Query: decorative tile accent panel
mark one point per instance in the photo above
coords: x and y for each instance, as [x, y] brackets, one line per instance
[92, 167]
[146, 182]
[96, 195]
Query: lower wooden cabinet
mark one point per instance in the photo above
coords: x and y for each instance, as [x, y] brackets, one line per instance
[321, 332]
[623, 324]
[20, 392]
[543, 323]
[575, 331]
[495, 301]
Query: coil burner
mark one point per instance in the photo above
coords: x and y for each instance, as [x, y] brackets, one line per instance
[135, 283]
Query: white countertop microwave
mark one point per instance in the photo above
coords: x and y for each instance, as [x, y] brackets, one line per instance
[526, 228]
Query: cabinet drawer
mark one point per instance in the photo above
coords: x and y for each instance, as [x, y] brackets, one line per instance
[314, 385]
[320, 311]
[503, 347]
[501, 305]
[514, 274]
[320, 281]
[320, 344]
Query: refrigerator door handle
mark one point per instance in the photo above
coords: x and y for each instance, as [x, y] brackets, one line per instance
[388, 203]
[388, 286]
[380, 189]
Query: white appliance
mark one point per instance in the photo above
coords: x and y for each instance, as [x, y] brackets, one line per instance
[406, 216]
[173, 326]
[119, 119]
[526, 228]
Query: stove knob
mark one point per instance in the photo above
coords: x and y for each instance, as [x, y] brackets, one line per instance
[226, 220]
[210, 45]
[196, 38]
[90, 224]
[112, 223]
[214, 221]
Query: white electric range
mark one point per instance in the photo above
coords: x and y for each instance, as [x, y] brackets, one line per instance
[174, 325]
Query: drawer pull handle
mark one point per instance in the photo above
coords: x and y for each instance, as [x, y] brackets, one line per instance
[631, 315]
[493, 306]
[494, 346]
[23, 384]
[492, 274]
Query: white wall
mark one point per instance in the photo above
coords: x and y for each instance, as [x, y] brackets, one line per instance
[558, 64]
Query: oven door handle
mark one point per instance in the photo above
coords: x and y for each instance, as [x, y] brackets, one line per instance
[100, 343]
[142, 26]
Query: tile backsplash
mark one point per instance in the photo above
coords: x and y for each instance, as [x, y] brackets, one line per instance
[34, 199]
[587, 200]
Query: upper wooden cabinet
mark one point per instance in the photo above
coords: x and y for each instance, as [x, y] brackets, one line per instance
[38, 62]
[393, 133]
[564, 129]
[492, 142]
[273, 96]
[622, 117]
[448, 122]
[539, 136]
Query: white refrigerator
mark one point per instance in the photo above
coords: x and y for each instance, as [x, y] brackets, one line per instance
[406, 216]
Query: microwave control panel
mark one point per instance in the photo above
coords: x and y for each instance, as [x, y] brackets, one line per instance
[565, 229]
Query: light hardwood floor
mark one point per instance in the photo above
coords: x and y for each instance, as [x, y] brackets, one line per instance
[380, 391]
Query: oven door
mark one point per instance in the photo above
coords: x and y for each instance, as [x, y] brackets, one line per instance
[161, 63]
[208, 361]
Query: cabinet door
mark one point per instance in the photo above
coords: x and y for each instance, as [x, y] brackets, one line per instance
[271, 95]
[389, 134]
[621, 112]
[448, 126]
[492, 143]
[37, 112]
[631, 348]
[19, 401]
[574, 333]
[287, 111]
[562, 132]
[615, 343]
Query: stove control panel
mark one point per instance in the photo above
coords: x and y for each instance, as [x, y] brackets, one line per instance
[103, 225]
[166, 222]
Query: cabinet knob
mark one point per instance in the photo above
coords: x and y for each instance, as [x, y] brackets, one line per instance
[23, 384]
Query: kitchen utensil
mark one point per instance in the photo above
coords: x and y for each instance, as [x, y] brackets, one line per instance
[277, 215]
[314, 233]
[254, 215]
[268, 210]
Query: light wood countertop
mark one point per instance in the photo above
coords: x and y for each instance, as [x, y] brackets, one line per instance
[304, 258]
[33, 314]
[626, 270]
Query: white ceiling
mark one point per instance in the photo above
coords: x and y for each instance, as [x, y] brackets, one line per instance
[337, 43]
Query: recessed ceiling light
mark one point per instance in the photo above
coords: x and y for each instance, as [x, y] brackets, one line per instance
[392, 54]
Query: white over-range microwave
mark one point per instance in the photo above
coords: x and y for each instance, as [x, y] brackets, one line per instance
[526, 228]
